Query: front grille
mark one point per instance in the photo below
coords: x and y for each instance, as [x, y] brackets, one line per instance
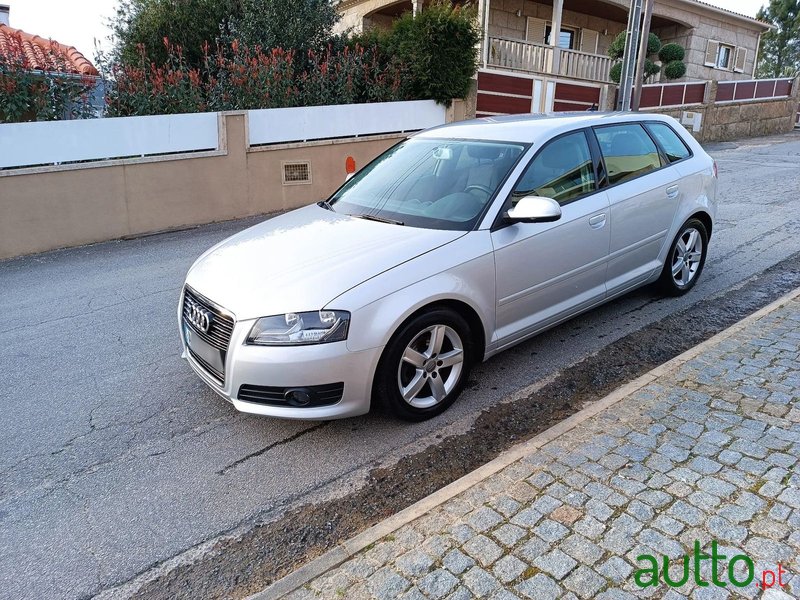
[215, 373]
[218, 335]
[221, 328]
[322, 395]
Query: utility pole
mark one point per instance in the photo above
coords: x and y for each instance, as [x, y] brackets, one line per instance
[629, 57]
[644, 38]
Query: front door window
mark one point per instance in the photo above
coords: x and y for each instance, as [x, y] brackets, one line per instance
[563, 171]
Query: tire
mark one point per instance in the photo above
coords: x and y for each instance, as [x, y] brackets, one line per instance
[687, 254]
[425, 365]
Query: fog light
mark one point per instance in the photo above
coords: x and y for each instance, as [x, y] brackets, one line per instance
[298, 396]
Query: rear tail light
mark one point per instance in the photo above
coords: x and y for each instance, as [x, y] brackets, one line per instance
[716, 175]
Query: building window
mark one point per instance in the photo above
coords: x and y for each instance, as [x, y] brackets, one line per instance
[725, 57]
[567, 38]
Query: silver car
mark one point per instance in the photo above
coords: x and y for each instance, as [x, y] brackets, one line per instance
[453, 245]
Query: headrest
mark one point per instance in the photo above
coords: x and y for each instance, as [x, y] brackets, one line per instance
[484, 151]
[626, 144]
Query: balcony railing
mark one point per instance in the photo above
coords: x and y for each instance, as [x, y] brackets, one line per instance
[520, 55]
[582, 65]
[523, 56]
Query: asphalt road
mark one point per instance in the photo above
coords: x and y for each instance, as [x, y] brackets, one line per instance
[115, 458]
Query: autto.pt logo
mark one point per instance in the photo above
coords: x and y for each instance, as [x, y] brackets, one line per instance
[740, 571]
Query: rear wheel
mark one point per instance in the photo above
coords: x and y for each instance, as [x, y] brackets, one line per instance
[425, 366]
[685, 259]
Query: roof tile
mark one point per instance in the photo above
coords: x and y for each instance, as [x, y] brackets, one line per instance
[43, 55]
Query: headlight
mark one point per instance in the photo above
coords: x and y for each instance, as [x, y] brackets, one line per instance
[300, 329]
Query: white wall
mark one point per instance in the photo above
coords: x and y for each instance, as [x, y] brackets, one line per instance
[52, 142]
[56, 142]
[278, 125]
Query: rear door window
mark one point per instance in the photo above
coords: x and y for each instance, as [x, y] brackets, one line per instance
[670, 142]
[627, 151]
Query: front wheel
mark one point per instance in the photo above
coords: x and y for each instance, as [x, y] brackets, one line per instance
[425, 366]
[685, 259]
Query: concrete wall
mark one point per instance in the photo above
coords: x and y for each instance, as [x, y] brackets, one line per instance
[45, 208]
[733, 120]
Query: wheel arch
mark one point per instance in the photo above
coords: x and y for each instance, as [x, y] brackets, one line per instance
[469, 314]
[705, 219]
[460, 307]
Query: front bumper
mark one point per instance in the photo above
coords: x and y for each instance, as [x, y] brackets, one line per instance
[293, 367]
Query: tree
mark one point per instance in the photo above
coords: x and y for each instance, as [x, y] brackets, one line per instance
[298, 25]
[671, 57]
[779, 53]
[438, 49]
[186, 23]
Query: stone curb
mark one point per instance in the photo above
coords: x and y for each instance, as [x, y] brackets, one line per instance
[352, 546]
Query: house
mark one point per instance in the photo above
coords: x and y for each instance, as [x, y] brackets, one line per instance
[47, 58]
[720, 44]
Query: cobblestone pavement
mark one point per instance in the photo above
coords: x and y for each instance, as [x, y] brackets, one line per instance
[707, 451]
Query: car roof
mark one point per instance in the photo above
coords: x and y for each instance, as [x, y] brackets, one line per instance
[533, 127]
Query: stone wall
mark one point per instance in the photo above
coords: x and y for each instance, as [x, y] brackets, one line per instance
[504, 22]
[692, 26]
[732, 120]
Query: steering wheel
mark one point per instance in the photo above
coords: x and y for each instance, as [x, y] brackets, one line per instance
[477, 186]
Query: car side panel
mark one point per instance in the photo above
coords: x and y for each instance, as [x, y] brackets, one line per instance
[547, 269]
[642, 212]
[463, 271]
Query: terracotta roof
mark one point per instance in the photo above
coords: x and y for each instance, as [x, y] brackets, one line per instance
[40, 54]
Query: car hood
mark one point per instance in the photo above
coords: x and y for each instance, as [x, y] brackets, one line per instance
[303, 259]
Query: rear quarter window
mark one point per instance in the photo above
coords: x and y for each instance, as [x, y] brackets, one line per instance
[673, 146]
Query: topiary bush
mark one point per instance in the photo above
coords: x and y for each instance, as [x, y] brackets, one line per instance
[650, 68]
[615, 72]
[617, 47]
[653, 44]
[671, 52]
[667, 54]
[674, 70]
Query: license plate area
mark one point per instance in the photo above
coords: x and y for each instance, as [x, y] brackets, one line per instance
[209, 357]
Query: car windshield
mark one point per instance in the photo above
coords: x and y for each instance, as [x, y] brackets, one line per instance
[436, 184]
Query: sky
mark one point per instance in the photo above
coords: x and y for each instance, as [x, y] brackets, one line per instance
[80, 23]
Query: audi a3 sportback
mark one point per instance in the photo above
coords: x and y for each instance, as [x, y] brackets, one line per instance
[453, 245]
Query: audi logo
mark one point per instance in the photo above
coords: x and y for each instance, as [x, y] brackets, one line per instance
[198, 316]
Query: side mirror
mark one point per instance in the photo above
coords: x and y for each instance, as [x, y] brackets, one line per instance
[534, 209]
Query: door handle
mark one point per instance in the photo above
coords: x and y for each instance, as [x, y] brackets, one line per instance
[672, 192]
[597, 221]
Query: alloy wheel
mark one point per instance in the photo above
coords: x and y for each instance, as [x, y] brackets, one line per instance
[431, 366]
[687, 257]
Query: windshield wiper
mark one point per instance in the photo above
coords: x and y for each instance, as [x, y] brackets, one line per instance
[326, 205]
[379, 219]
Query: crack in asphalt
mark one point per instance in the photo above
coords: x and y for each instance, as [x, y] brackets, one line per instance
[242, 564]
[269, 447]
[86, 313]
